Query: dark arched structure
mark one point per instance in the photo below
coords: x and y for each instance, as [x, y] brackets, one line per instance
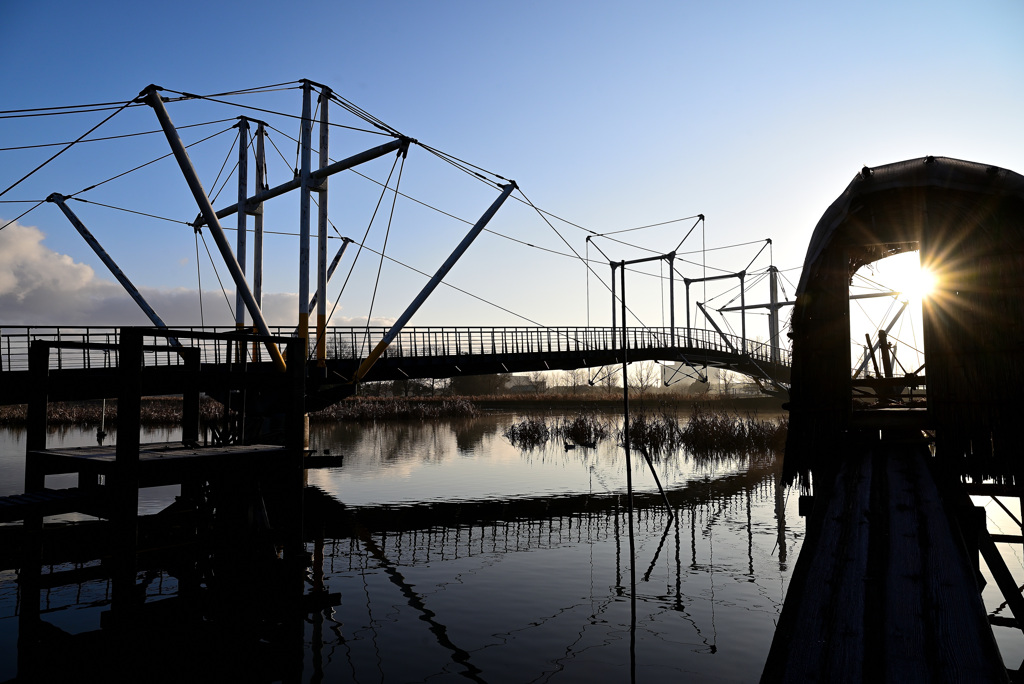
[967, 219]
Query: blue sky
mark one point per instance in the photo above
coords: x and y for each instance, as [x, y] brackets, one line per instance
[610, 115]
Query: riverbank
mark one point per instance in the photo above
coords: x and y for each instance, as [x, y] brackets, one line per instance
[158, 411]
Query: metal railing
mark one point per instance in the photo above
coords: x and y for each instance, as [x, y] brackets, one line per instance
[355, 343]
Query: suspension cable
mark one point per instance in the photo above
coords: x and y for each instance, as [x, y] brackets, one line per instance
[65, 149]
[383, 249]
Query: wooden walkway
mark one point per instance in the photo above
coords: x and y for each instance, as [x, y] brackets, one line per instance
[883, 590]
[160, 463]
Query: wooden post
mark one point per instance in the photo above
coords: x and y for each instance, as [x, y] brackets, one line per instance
[190, 397]
[125, 487]
[296, 441]
[29, 579]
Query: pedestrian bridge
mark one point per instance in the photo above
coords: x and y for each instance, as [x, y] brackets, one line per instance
[417, 352]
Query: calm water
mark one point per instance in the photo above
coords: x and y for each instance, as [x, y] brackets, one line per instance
[476, 560]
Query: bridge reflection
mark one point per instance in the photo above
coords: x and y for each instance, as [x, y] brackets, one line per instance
[442, 559]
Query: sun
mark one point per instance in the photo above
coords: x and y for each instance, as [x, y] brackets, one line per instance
[904, 273]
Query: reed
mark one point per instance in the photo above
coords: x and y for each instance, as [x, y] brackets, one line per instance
[528, 433]
[155, 411]
[708, 432]
[394, 408]
[585, 429]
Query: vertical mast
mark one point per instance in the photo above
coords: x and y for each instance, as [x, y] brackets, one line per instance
[243, 193]
[321, 255]
[773, 313]
[305, 143]
[672, 295]
[257, 243]
[743, 310]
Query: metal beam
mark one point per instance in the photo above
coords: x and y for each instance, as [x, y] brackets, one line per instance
[153, 99]
[115, 270]
[725, 338]
[872, 347]
[265, 194]
[434, 282]
[345, 242]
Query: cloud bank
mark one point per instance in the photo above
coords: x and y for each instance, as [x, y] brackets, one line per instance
[39, 286]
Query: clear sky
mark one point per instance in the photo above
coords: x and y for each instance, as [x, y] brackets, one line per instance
[610, 115]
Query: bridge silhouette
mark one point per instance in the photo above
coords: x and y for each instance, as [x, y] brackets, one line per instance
[342, 358]
[87, 357]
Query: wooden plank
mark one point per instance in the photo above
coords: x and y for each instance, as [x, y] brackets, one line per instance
[904, 649]
[964, 647]
[820, 629]
[883, 589]
[43, 503]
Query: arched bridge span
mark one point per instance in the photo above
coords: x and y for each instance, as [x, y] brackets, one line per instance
[416, 353]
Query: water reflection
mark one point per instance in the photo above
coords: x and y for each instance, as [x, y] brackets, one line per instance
[440, 551]
[526, 587]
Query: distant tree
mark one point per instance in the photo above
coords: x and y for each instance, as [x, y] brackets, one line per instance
[574, 379]
[609, 378]
[643, 377]
[726, 383]
[538, 380]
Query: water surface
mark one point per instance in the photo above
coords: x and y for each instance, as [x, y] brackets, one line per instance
[455, 555]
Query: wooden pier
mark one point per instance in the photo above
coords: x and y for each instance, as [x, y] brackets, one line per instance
[885, 589]
[235, 532]
[887, 585]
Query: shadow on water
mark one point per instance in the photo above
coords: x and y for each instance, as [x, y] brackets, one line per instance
[456, 583]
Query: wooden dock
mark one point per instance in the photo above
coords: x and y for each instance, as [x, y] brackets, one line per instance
[885, 589]
[161, 463]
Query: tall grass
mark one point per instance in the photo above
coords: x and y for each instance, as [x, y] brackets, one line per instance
[584, 429]
[528, 433]
[707, 433]
[394, 408]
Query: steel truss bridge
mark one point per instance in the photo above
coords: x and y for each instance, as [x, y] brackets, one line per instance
[87, 357]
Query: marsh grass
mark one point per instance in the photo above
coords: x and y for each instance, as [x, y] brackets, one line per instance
[395, 408]
[707, 433]
[529, 433]
[585, 429]
[156, 411]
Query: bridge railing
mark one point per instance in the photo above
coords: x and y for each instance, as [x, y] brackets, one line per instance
[353, 343]
[15, 342]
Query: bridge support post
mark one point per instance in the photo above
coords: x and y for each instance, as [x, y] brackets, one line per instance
[241, 237]
[614, 326]
[773, 314]
[321, 252]
[672, 295]
[306, 144]
[689, 330]
[257, 241]
[743, 312]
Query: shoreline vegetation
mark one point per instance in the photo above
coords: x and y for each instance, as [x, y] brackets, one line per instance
[166, 411]
[709, 430]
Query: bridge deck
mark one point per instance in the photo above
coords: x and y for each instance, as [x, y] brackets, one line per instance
[415, 353]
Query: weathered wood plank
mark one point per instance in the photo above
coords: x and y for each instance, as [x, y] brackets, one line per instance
[883, 589]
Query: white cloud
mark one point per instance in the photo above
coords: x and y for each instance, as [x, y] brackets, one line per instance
[39, 286]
